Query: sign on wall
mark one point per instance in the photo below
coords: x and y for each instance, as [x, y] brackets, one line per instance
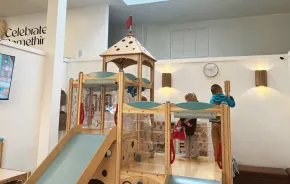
[28, 36]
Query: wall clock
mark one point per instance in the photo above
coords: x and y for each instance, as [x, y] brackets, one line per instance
[210, 70]
[2, 28]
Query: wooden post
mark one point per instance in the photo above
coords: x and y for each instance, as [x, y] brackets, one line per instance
[227, 88]
[104, 64]
[69, 106]
[139, 98]
[167, 136]
[152, 97]
[230, 146]
[227, 176]
[91, 111]
[223, 138]
[80, 96]
[152, 78]
[120, 126]
[103, 96]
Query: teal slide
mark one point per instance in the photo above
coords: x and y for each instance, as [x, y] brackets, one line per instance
[185, 180]
[70, 163]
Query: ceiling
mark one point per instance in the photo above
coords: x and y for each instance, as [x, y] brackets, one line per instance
[175, 11]
[11, 8]
[172, 11]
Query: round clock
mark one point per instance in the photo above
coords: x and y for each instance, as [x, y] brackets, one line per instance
[210, 70]
[2, 28]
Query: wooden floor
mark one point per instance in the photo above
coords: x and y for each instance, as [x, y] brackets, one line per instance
[202, 167]
[7, 175]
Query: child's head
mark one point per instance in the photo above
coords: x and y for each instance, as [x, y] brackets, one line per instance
[216, 89]
[143, 98]
[190, 97]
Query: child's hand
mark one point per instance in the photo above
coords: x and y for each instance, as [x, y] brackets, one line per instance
[188, 124]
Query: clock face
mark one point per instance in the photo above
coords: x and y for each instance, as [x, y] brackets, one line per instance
[210, 70]
[2, 28]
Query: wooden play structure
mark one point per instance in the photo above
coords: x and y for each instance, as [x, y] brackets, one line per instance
[115, 155]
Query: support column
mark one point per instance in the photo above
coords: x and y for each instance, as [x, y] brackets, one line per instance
[103, 96]
[139, 97]
[54, 47]
[120, 126]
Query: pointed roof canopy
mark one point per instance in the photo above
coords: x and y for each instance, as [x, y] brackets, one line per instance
[125, 50]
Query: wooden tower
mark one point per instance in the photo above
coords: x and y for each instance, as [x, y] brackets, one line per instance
[128, 52]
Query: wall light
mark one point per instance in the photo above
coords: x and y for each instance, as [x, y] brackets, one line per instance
[261, 77]
[166, 80]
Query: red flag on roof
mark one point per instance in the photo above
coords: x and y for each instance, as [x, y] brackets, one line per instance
[129, 22]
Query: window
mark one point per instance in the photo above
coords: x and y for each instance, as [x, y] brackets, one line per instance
[189, 43]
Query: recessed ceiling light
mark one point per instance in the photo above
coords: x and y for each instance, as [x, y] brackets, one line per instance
[135, 2]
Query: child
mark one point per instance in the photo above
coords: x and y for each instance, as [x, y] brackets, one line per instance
[190, 125]
[218, 98]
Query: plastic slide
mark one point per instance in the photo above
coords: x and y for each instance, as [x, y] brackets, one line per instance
[185, 180]
[71, 158]
[72, 161]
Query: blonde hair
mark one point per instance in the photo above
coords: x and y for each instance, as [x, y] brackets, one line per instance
[190, 97]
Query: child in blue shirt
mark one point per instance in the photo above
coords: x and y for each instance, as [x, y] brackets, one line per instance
[218, 98]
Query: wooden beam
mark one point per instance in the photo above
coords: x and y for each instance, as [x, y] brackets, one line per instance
[227, 88]
[80, 97]
[69, 106]
[48, 160]
[120, 126]
[98, 157]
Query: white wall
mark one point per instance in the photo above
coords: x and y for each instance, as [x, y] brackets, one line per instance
[86, 29]
[259, 35]
[260, 120]
[20, 114]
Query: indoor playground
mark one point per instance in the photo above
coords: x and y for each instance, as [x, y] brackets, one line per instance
[134, 141]
[144, 92]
